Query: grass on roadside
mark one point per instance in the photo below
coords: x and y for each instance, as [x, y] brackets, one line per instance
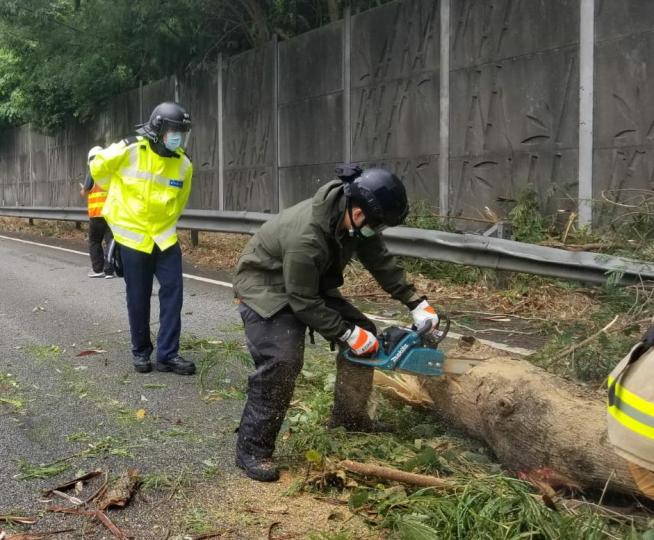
[222, 366]
[582, 351]
[43, 353]
[10, 394]
[29, 471]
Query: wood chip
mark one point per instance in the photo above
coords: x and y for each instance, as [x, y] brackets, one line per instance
[121, 491]
[18, 520]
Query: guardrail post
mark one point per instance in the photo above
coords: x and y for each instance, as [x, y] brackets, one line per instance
[195, 238]
[30, 221]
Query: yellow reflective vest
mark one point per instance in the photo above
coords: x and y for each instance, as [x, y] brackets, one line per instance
[146, 193]
[631, 406]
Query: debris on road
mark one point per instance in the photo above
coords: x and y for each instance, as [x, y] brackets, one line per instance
[395, 475]
[33, 535]
[89, 352]
[121, 492]
[97, 514]
[18, 520]
[73, 483]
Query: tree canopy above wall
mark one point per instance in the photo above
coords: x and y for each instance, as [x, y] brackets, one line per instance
[62, 59]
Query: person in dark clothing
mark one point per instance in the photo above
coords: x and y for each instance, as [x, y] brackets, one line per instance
[99, 241]
[287, 280]
[99, 230]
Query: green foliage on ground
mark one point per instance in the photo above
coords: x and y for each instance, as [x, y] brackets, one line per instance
[487, 503]
[222, 365]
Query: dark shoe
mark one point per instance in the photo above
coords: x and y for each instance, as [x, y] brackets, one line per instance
[261, 469]
[142, 364]
[177, 365]
[361, 424]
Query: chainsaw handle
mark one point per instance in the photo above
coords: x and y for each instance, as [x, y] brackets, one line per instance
[436, 335]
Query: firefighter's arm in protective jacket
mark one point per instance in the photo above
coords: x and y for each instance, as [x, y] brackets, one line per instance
[374, 255]
[301, 269]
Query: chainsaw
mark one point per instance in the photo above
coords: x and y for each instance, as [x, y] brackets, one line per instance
[414, 351]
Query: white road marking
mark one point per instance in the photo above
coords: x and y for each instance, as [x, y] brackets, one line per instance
[43, 245]
[454, 335]
[188, 276]
[208, 280]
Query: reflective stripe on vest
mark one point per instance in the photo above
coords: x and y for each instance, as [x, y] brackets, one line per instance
[96, 199]
[122, 231]
[161, 238]
[631, 410]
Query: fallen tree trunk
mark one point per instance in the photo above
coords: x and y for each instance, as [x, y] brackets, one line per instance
[530, 419]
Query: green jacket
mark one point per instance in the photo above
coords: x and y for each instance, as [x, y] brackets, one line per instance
[297, 258]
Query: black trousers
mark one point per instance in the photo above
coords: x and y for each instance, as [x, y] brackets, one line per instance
[277, 347]
[99, 231]
[139, 270]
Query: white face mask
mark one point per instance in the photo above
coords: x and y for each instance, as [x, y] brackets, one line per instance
[173, 140]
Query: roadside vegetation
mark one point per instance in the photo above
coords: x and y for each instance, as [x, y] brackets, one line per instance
[62, 60]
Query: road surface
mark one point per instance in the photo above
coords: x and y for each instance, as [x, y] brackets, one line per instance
[86, 410]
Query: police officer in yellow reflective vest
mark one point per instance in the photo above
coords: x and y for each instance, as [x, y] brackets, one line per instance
[631, 412]
[148, 182]
[99, 230]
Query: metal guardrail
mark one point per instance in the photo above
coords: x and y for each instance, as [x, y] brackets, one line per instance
[470, 249]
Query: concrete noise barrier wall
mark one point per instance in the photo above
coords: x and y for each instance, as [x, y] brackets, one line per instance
[469, 101]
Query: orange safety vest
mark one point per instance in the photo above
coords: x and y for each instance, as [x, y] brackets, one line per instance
[96, 199]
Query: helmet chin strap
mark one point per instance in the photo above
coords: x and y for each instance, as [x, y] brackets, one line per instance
[353, 230]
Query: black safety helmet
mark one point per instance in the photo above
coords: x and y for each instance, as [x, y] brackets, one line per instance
[381, 196]
[166, 116]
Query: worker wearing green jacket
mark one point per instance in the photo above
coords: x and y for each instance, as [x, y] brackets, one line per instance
[287, 280]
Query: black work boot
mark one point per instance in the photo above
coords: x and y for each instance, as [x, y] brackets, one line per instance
[261, 469]
[178, 365]
[142, 364]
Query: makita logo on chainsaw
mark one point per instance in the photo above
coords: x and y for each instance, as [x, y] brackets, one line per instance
[399, 353]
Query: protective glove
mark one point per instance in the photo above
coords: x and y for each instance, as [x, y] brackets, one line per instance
[362, 342]
[422, 313]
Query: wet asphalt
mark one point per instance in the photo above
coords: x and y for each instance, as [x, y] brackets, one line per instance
[85, 411]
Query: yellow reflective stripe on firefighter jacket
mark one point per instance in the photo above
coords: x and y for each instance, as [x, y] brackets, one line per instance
[95, 201]
[146, 193]
[631, 407]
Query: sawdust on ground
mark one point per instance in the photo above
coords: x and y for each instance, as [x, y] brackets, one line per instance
[243, 508]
